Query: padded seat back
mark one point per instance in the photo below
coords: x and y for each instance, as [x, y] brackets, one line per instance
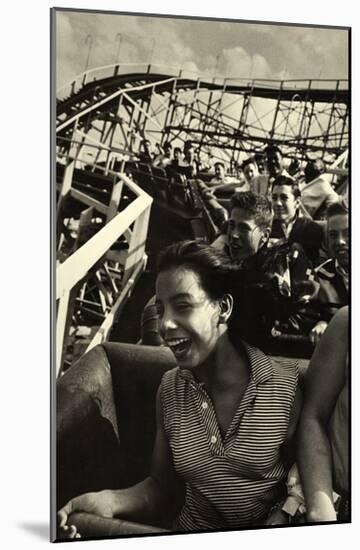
[106, 417]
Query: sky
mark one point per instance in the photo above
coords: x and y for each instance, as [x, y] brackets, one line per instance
[228, 49]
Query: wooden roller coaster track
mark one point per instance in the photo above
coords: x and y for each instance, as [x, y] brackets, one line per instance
[103, 215]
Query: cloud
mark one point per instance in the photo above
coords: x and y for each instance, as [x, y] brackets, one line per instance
[234, 49]
[304, 52]
[136, 39]
[237, 62]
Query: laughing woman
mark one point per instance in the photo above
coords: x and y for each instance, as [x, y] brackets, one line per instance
[224, 414]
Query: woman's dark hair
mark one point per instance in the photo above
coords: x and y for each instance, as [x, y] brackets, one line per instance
[218, 276]
[214, 269]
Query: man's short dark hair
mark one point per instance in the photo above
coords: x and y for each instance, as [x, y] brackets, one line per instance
[337, 209]
[219, 163]
[272, 150]
[250, 160]
[259, 155]
[188, 144]
[257, 206]
[285, 180]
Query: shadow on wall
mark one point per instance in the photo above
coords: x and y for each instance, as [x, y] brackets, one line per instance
[39, 530]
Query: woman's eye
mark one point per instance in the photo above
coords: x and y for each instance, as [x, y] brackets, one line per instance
[183, 307]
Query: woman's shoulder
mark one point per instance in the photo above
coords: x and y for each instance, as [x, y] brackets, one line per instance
[170, 376]
[286, 370]
[267, 367]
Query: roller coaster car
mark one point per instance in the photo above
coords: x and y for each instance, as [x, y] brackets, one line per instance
[106, 429]
[106, 420]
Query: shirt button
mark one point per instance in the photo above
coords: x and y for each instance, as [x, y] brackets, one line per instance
[204, 405]
[213, 439]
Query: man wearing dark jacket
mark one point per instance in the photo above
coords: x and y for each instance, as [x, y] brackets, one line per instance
[288, 222]
[333, 274]
[275, 282]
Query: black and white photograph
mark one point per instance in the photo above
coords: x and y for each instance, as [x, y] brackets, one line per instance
[200, 206]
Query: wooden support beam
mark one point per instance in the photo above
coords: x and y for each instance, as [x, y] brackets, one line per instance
[103, 332]
[137, 243]
[105, 295]
[96, 106]
[89, 201]
[111, 278]
[78, 264]
[141, 110]
[113, 207]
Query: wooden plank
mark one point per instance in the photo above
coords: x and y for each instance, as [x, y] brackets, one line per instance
[136, 105]
[337, 171]
[117, 256]
[111, 278]
[78, 264]
[102, 333]
[105, 295]
[137, 243]
[89, 201]
[69, 170]
[67, 179]
[115, 199]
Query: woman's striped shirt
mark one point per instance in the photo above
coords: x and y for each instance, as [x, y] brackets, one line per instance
[229, 481]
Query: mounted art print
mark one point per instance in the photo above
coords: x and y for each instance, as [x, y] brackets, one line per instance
[200, 201]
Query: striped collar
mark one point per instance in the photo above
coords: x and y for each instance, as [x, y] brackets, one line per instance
[260, 364]
[261, 367]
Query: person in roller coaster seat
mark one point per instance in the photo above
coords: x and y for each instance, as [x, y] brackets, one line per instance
[258, 183]
[275, 162]
[220, 177]
[189, 164]
[317, 194]
[277, 282]
[323, 446]
[290, 223]
[333, 274]
[221, 390]
[164, 159]
[145, 153]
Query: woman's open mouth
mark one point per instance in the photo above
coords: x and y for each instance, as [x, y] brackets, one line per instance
[179, 346]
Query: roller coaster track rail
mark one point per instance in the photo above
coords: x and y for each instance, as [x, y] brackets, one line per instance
[226, 117]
